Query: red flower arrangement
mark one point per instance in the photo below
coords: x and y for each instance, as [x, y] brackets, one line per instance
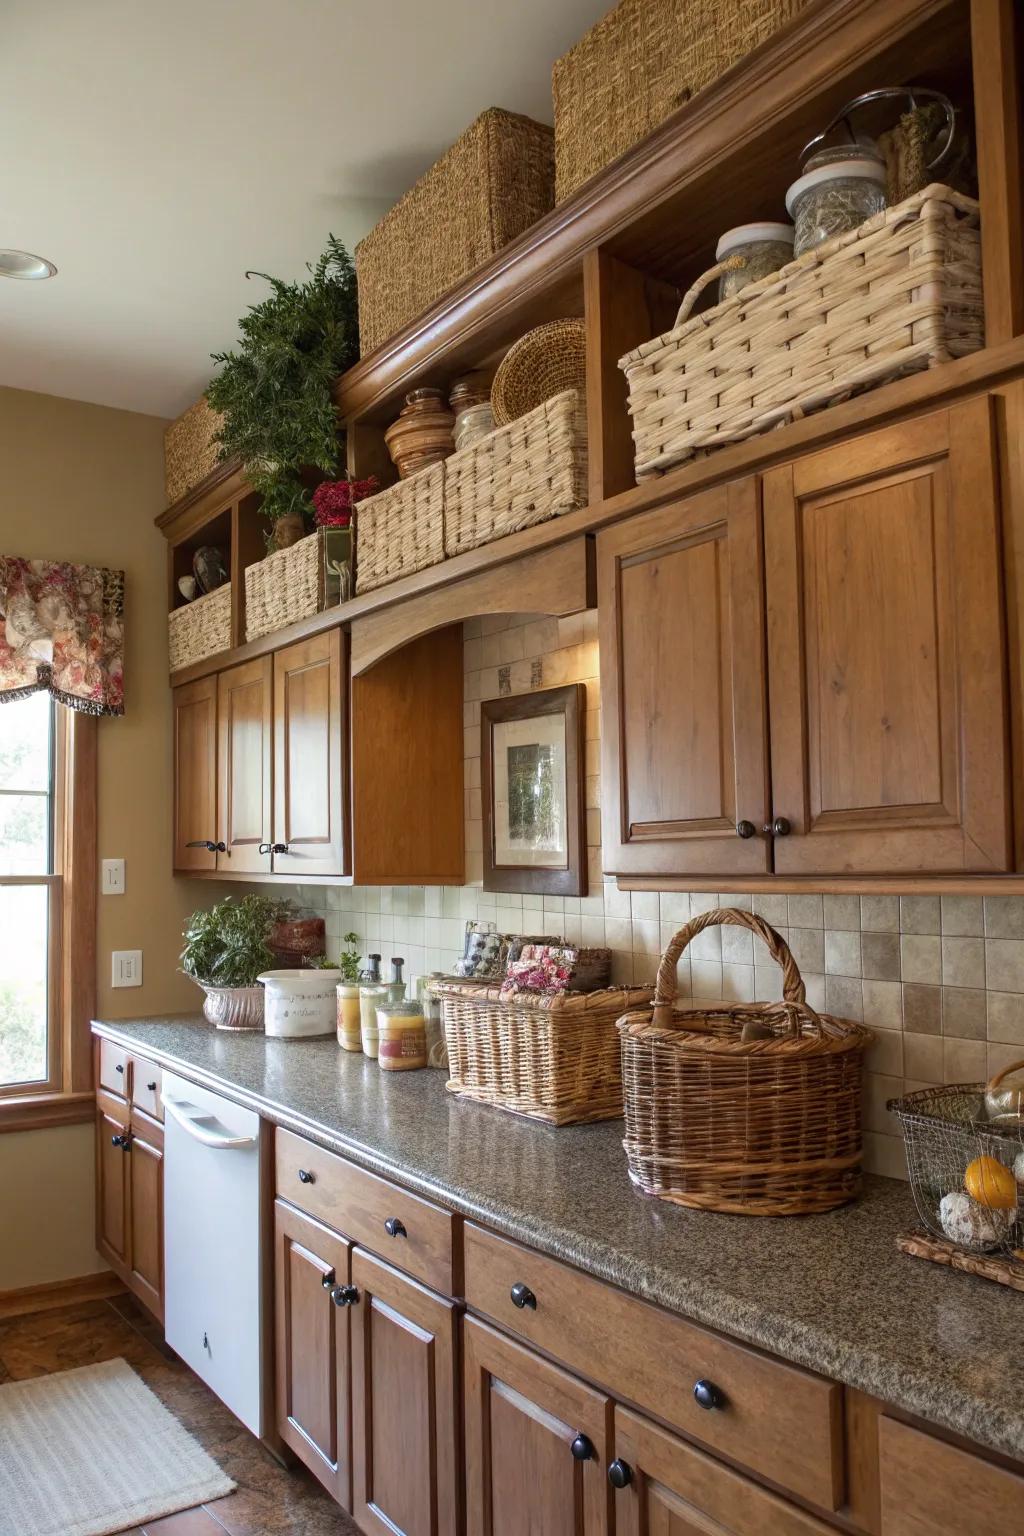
[333, 501]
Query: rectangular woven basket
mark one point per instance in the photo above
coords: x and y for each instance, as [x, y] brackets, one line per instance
[496, 180]
[190, 449]
[400, 530]
[550, 1058]
[640, 62]
[524, 473]
[201, 628]
[900, 293]
[292, 583]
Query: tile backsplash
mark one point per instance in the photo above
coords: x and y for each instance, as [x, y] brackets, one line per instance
[940, 979]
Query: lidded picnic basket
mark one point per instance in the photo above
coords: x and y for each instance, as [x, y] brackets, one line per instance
[752, 1108]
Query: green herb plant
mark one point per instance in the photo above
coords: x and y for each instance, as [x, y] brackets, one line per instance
[226, 945]
[348, 960]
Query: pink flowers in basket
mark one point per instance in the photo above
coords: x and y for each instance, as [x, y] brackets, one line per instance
[543, 968]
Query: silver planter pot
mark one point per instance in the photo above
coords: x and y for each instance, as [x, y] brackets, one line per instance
[234, 1007]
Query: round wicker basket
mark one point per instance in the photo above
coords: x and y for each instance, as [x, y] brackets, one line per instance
[540, 364]
[753, 1108]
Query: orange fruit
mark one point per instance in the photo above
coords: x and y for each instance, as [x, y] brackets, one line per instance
[991, 1183]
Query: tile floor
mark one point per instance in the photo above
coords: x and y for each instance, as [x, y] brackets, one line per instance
[268, 1500]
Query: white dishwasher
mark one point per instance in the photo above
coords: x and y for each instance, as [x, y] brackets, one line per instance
[212, 1258]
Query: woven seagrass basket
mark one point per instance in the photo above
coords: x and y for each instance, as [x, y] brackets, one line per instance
[401, 530]
[201, 628]
[191, 451]
[292, 583]
[752, 1108]
[550, 1058]
[545, 362]
[900, 293]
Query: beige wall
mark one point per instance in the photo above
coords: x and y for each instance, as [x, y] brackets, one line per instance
[84, 483]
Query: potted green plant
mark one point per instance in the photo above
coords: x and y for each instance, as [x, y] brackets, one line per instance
[225, 951]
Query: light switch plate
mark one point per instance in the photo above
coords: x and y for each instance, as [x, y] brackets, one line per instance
[112, 877]
[126, 968]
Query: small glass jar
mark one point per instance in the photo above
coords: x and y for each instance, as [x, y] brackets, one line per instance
[371, 995]
[764, 248]
[840, 188]
[430, 999]
[349, 1036]
[402, 1037]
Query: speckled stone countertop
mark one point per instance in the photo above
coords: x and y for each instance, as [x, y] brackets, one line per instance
[828, 1292]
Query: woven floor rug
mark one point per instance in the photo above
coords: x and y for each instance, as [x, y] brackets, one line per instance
[92, 1451]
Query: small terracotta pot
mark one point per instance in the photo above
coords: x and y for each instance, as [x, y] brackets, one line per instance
[288, 530]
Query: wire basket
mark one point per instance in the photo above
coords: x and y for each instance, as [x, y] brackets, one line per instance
[966, 1169]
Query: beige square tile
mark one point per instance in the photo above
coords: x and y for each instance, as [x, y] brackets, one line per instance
[706, 901]
[919, 914]
[707, 945]
[964, 1061]
[963, 1013]
[592, 932]
[922, 1057]
[842, 912]
[921, 955]
[1002, 1056]
[885, 1155]
[619, 933]
[878, 1089]
[645, 906]
[922, 1008]
[842, 952]
[472, 655]
[881, 956]
[806, 912]
[885, 1053]
[512, 644]
[880, 914]
[774, 909]
[706, 978]
[767, 983]
[962, 914]
[738, 983]
[963, 962]
[675, 908]
[808, 948]
[1004, 964]
[1004, 917]
[622, 968]
[883, 1004]
[814, 987]
[738, 947]
[1006, 1017]
[647, 939]
[844, 997]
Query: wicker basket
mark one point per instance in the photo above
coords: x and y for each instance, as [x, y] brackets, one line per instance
[640, 62]
[201, 628]
[752, 1108]
[550, 1058]
[401, 530]
[901, 293]
[494, 182]
[544, 362]
[531, 470]
[295, 582]
[190, 449]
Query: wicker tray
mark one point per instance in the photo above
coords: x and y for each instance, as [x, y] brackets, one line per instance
[190, 449]
[554, 1058]
[295, 582]
[401, 530]
[201, 628]
[546, 361]
[495, 181]
[531, 470]
[640, 62]
[901, 293]
[753, 1108]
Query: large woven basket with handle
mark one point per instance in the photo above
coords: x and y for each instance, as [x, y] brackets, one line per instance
[753, 1108]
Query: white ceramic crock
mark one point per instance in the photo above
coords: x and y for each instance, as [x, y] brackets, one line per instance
[300, 1005]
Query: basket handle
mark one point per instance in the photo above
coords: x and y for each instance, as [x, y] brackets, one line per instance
[692, 294]
[993, 1082]
[793, 990]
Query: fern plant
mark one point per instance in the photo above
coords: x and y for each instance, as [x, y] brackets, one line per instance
[226, 945]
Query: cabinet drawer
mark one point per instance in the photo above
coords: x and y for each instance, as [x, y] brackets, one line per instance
[930, 1488]
[114, 1068]
[780, 1421]
[409, 1232]
[147, 1081]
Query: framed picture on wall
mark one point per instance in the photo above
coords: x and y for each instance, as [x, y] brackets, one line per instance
[532, 768]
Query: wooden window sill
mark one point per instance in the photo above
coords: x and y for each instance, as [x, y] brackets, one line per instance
[39, 1112]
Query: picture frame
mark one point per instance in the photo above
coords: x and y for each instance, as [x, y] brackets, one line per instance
[532, 777]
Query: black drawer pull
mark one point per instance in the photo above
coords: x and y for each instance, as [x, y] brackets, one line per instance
[305, 1177]
[117, 1141]
[328, 1279]
[151, 1087]
[394, 1228]
[620, 1473]
[780, 827]
[745, 829]
[344, 1295]
[707, 1395]
[582, 1448]
[119, 1067]
[522, 1297]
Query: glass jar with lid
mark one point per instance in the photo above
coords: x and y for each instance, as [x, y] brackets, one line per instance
[349, 1019]
[762, 248]
[371, 995]
[840, 188]
[401, 1036]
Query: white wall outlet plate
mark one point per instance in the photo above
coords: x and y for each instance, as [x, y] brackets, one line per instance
[112, 877]
[126, 968]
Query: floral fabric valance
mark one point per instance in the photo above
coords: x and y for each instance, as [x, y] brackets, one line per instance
[62, 630]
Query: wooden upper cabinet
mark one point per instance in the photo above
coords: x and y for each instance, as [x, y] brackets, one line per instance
[244, 765]
[310, 776]
[887, 671]
[685, 757]
[195, 775]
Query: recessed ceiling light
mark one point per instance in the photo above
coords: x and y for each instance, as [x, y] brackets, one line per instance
[23, 264]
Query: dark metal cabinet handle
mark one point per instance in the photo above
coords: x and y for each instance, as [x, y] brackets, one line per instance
[583, 1448]
[126, 1142]
[279, 847]
[117, 1141]
[780, 827]
[522, 1297]
[707, 1395]
[394, 1228]
[305, 1177]
[328, 1279]
[620, 1473]
[204, 842]
[119, 1067]
[265, 847]
[151, 1087]
[745, 829]
[344, 1295]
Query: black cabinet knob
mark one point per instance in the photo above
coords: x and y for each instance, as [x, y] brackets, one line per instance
[279, 847]
[328, 1279]
[707, 1395]
[119, 1067]
[582, 1448]
[117, 1141]
[780, 827]
[344, 1295]
[151, 1087]
[522, 1297]
[305, 1177]
[394, 1228]
[745, 829]
[620, 1473]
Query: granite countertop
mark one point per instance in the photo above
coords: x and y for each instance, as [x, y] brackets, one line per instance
[828, 1292]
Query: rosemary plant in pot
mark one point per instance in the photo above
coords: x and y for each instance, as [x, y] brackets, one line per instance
[225, 950]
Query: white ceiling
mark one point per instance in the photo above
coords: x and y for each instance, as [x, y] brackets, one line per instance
[158, 148]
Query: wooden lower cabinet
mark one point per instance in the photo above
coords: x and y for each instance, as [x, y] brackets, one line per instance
[113, 1221]
[145, 1159]
[931, 1488]
[405, 1463]
[311, 1264]
[536, 1443]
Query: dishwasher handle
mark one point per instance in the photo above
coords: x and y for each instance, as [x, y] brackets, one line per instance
[200, 1132]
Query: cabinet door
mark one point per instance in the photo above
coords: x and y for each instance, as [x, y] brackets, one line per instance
[312, 1345]
[144, 1161]
[536, 1443]
[244, 727]
[310, 780]
[930, 1488]
[195, 775]
[113, 1225]
[405, 1473]
[684, 754]
[886, 652]
[666, 1487]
